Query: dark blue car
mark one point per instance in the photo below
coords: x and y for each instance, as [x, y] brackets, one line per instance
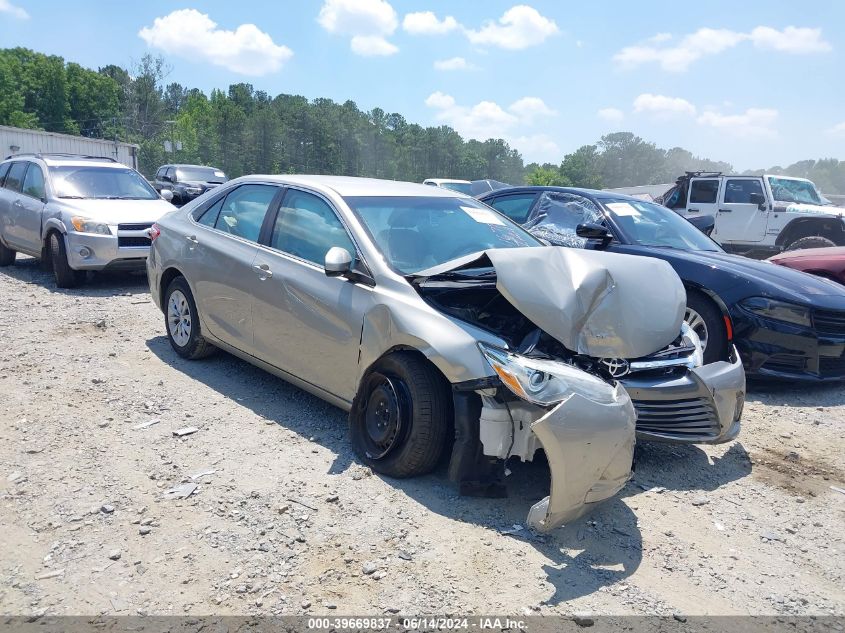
[785, 324]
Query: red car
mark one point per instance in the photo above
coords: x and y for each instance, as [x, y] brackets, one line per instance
[824, 262]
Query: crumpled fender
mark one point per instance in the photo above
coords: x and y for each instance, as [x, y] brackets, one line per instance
[590, 450]
[595, 303]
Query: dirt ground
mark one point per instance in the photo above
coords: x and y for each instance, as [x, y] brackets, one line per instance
[285, 521]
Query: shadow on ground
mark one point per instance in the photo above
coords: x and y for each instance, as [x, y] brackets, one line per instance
[99, 284]
[791, 394]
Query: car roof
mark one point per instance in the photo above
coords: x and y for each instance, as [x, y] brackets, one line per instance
[441, 181]
[594, 193]
[71, 160]
[353, 186]
[190, 165]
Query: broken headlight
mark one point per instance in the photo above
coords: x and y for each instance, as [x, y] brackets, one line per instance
[545, 382]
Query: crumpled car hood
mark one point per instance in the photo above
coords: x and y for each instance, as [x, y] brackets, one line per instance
[594, 303]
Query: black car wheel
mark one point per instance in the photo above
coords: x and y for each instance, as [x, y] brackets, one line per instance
[812, 241]
[706, 320]
[182, 322]
[7, 255]
[400, 417]
[66, 277]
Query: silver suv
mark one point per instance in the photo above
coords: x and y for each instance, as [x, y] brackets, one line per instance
[78, 213]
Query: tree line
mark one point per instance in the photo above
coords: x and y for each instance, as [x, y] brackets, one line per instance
[243, 130]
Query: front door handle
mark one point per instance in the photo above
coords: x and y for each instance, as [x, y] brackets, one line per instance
[693, 210]
[192, 240]
[725, 210]
[18, 203]
[264, 271]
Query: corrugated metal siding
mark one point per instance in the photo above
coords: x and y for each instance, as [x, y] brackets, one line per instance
[35, 141]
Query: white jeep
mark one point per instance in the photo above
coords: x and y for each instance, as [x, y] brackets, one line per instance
[759, 215]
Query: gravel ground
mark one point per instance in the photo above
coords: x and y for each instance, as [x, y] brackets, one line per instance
[285, 521]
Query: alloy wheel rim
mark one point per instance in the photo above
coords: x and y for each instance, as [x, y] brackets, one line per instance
[698, 325]
[179, 318]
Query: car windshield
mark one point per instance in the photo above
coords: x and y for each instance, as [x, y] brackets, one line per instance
[106, 183]
[460, 187]
[416, 233]
[200, 174]
[649, 224]
[790, 190]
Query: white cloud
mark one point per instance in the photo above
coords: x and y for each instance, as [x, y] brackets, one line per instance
[837, 130]
[426, 23]
[372, 46]
[14, 11]
[487, 119]
[529, 108]
[519, 27]
[754, 123]
[662, 105]
[453, 63]
[368, 22]
[612, 115]
[707, 42]
[189, 33]
[791, 40]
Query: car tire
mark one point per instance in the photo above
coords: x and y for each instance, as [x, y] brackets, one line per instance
[811, 241]
[182, 322]
[7, 255]
[400, 418]
[704, 316]
[66, 277]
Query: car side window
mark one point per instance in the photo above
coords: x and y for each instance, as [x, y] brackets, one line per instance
[516, 207]
[557, 215]
[33, 182]
[307, 227]
[14, 179]
[4, 169]
[703, 191]
[171, 173]
[739, 191]
[209, 216]
[243, 211]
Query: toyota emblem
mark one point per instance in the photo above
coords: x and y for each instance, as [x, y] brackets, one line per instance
[616, 367]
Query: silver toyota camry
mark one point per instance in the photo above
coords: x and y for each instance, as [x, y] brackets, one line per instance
[443, 328]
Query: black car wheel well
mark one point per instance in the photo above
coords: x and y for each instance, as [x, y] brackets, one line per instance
[830, 228]
[167, 278]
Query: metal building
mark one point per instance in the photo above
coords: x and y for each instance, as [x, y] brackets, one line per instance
[15, 140]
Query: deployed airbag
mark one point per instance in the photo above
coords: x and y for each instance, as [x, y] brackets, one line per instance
[595, 303]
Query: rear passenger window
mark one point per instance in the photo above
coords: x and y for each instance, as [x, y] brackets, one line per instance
[307, 227]
[4, 169]
[33, 183]
[703, 191]
[243, 211]
[14, 179]
[209, 217]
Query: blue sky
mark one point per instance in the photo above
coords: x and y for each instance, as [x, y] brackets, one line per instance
[756, 84]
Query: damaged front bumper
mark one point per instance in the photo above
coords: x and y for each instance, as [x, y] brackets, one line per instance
[590, 449]
[701, 405]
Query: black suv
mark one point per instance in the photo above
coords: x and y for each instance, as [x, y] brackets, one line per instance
[188, 181]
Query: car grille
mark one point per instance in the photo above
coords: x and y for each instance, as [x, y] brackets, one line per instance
[682, 417]
[133, 242]
[134, 227]
[829, 321]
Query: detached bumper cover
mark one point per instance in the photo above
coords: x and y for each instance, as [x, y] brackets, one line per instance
[590, 449]
[126, 250]
[703, 405]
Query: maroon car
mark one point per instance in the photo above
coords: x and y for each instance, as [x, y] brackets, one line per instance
[824, 262]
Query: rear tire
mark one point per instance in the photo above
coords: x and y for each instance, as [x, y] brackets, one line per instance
[66, 277]
[811, 241]
[400, 417]
[7, 255]
[182, 322]
[703, 316]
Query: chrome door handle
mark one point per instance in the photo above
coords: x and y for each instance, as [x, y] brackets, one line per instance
[18, 203]
[264, 271]
[192, 239]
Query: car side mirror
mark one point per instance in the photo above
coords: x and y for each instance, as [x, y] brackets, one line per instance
[592, 231]
[338, 261]
[759, 199]
[167, 195]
